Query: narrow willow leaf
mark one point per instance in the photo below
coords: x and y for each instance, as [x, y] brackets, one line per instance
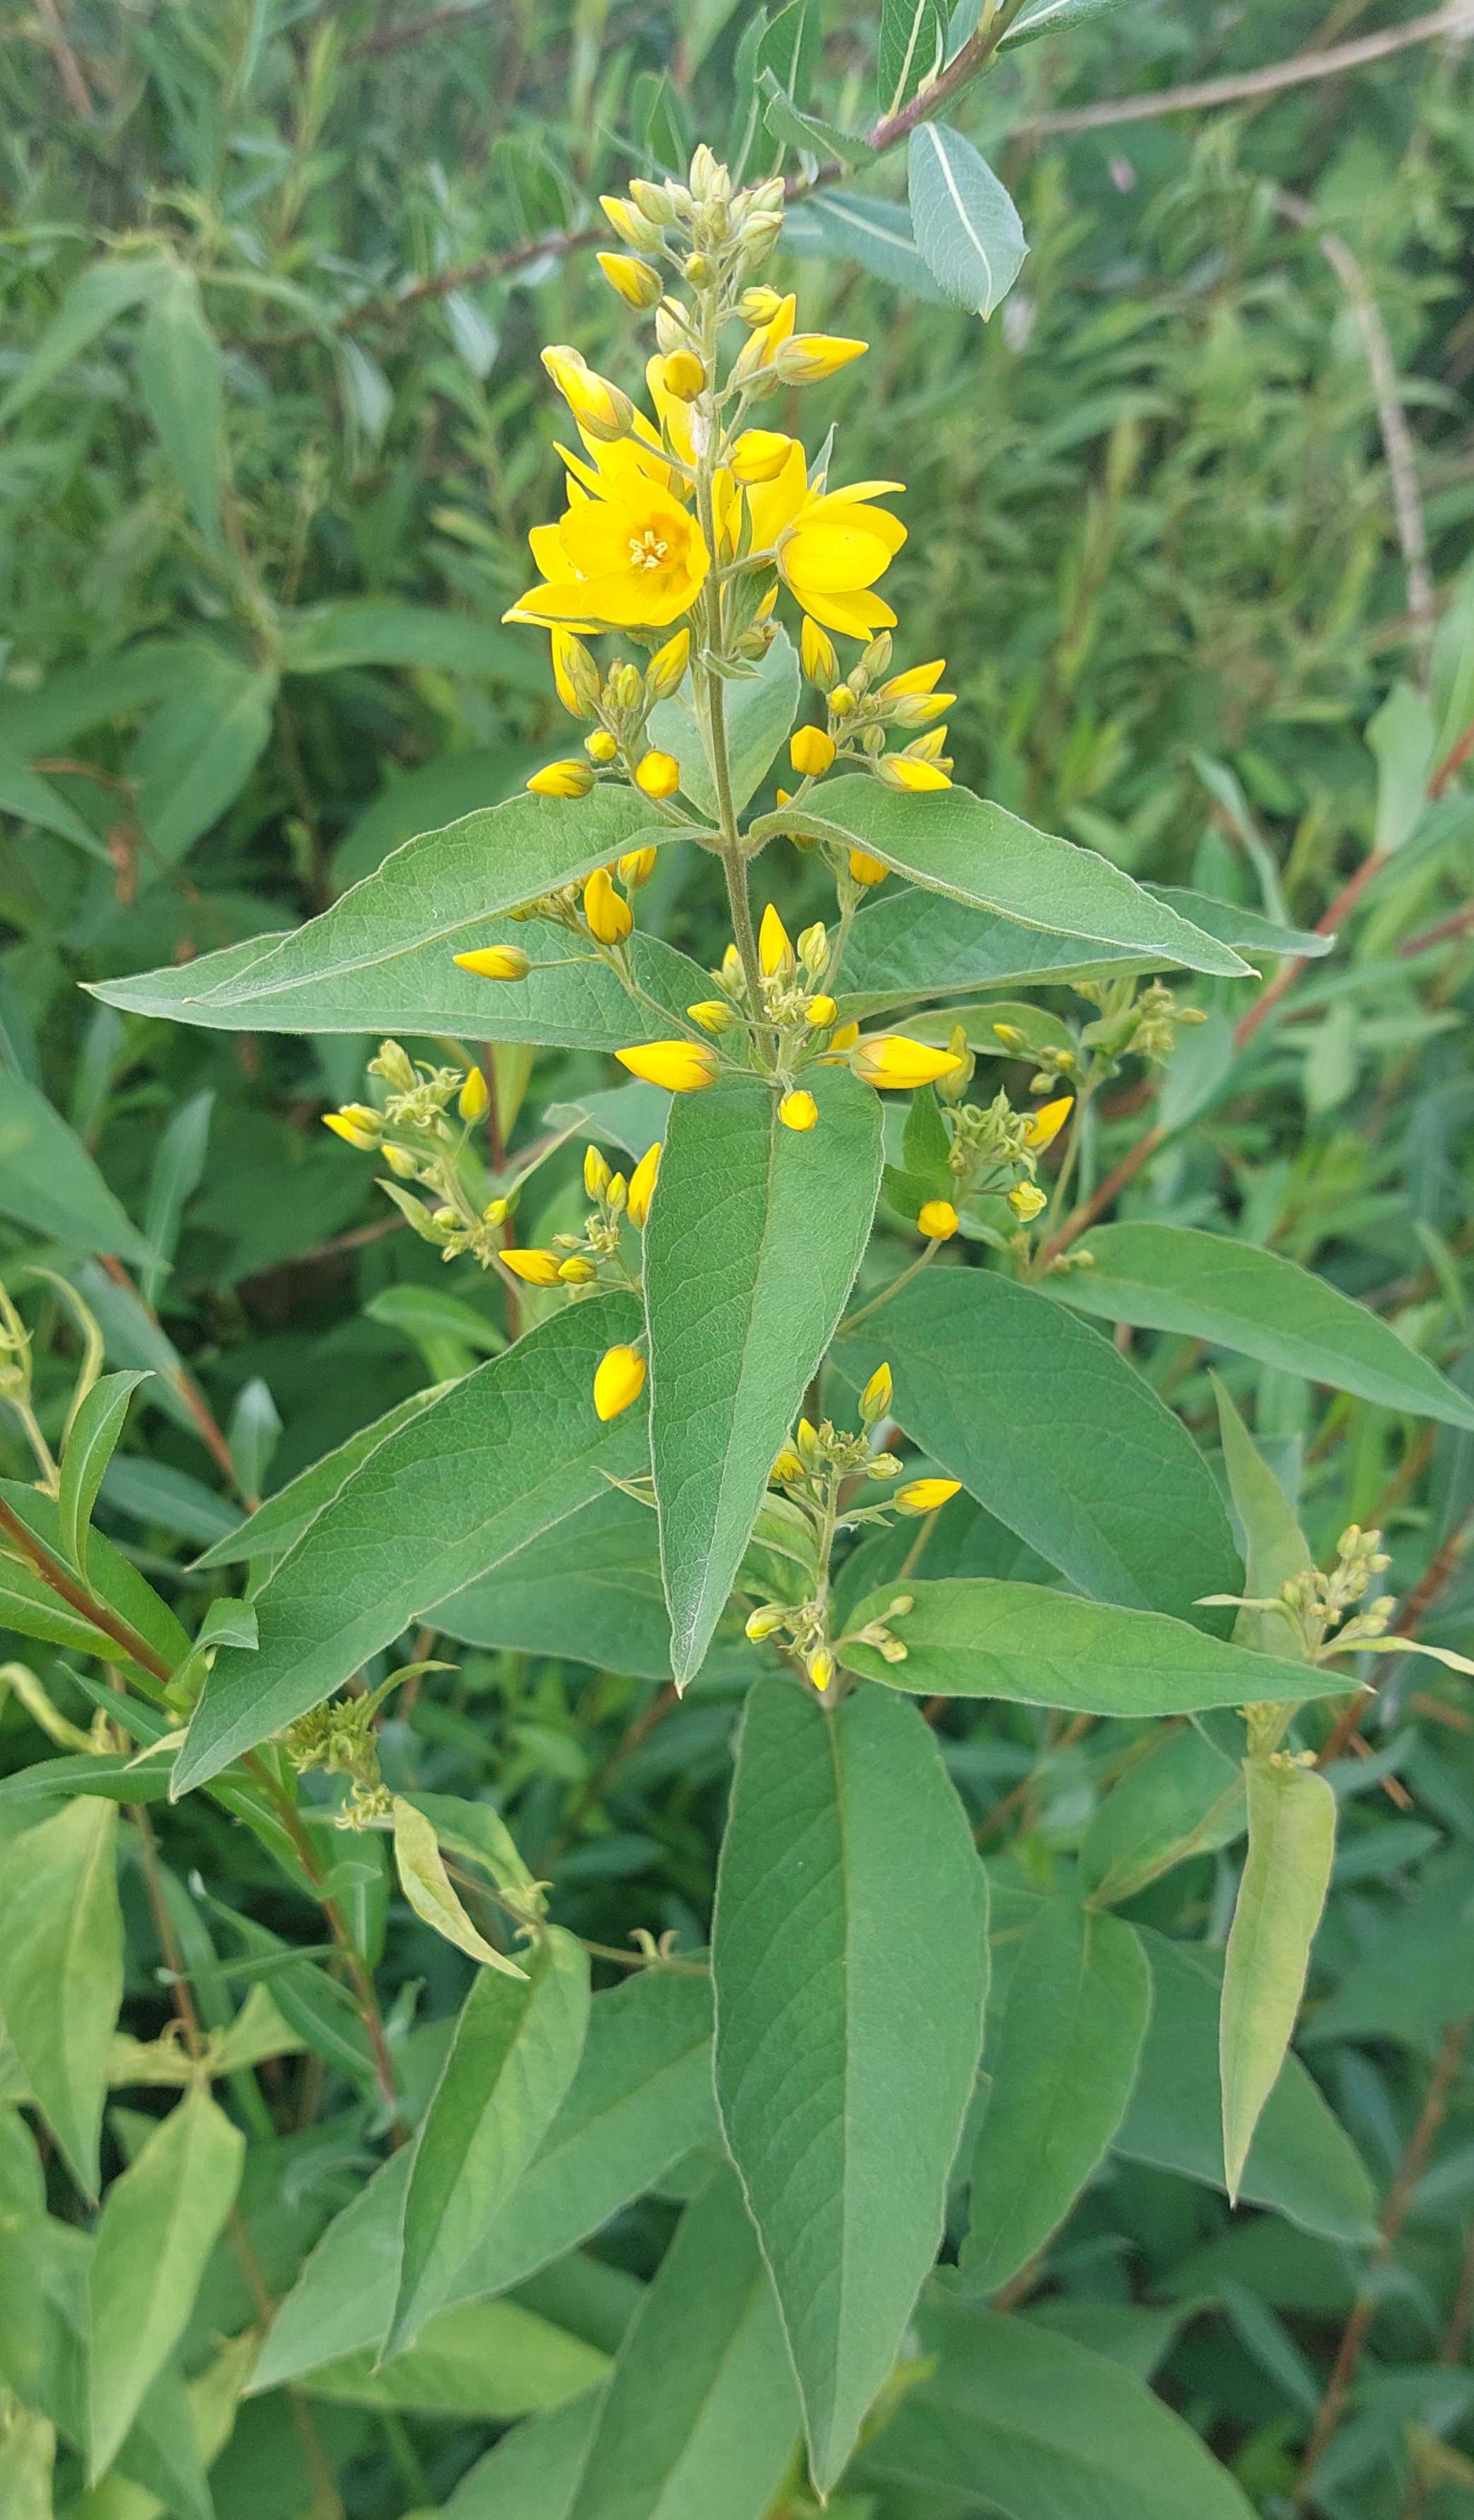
[516, 2046]
[159, 2222]
[701, 2415]
[486, 2358]
[428, 1886]
[848, 2019]
[1275, 1548]
[33, 799]
[95, 299]
[508, 1452]
[50, 1183]
[61, 1970]
[177, 1171]
[533, 2470]
[961, 845]
[181, 376]
[372, 630]
[750, 1251]
[1292, 1841]
[90, 1446]
[112, 1578]
[1062, 2068]
[1055, 16]
[1185, 1797]
[275, 1526]
[971, 1637]
[966, 228]
[1208, 1287]
[1056, 1435]
[194, 757]
[27, 2462]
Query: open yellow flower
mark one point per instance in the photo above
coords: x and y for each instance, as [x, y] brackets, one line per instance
[629, 556]
[831, 546]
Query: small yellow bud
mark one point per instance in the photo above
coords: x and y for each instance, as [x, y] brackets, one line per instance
[636, 867]
[535, 1268]
[821, 1667]
[496, 962]
[574, 672]
[866, 870]
[732, 967]
[626, 685]
[786, 1468]
[877, 1397]
[775, 947]
[758, 305]
[811, 751]
[600, 746]
[643, 1182]
[765, 1622]
[821, 1013]
[679, 1066]
[924, 1495]
[684, 376]
[910, 777]
[446, 1218]
[618, 1381]
[597, 405]
[628, 223]
[892, 1062]
[713, 1015]
[806, 1439]
[496, 1211]
[399, 1162]
[806, 358]
[798, 1110]
[1010, 1036]
[608, 918]
[841, 701]
[473, 1098]
[846, 1037]
[666, 669]
[657, 773]
[596, 1173]
[814, 947]
[653, 200]
[921, 711]
[576, 1271]
[561, 779]
[350, 1133]
[918, 678]
[615, 1195]
[696, 268]
[635, 281]
[1047, 1122]
[817, 654]
[760, 455]
[1027, 1201]
[938, 1220]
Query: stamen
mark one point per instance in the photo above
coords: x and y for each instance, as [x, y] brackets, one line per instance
[647, 550]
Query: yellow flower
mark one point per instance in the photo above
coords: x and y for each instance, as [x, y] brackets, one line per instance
[618, 1381]
[820, 1011]
[902, 770]
[829, 546]
[798, 1110]
[760, 455]
[844, 1039]
[596, 1173]
[608, 918]
[891, 1061]
[1047, 1122]
[811, 751]
[681, 1066]
[787, 1468]
[642, 1184]
[938, 1219]
[866, 870]
[600, 745]
[637, 866]
[351, 1132]
[496, 962]
[924, 1495]
[628, 555]
[667, 667]
[535, 1268]
[657, 773]
[472, 1099]
[775, 946]
[635, 281]
[574, 674]
[561, 779]
[817, 655]
[597, 405]
[684, 376]
[875, 1398]
[916, 680]
[806, 358]
[822, 1667]
[1027, 1201]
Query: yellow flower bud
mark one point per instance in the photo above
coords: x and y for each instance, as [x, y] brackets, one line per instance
[615, 1195]
[845, 1038]
[817, 654]
[1047, 1122]
[535, 1268]
[924, 708]
[626, 685]
[561, 779]
[1010, 1036]
[657, 773]
[636, 867]
[496, 1211]
[806, 1438]
[765, 1622]
[811, 751]
[866, 870]
[643, 1182]
[910, 777]
[806, 358]
[351, 1132]
[597, 405]
[679, 1066]
[574, 673]
[821, 1667]
[473, 1098]
[608, 918]
[628, 223]
[918, 678]
[600, 746]
[758, 305]
[596, 1173]
[798, 1110]
[760, 455]
[814, 948]
[666, 669]
[821, 1013]
[892, 1062]
[653, 200]
[713, 1015]
[635, 281]
[684, 376]
[938, 1220]
[1027, 1201]
[841, 701]
[618, 1381]
[875, 1398]
[399, 1162]
[924, 1495]
[786, 1468]
[775, 949]
[576, 1271]
[494, 962]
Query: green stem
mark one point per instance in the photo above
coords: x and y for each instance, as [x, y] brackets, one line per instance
[894, 1289]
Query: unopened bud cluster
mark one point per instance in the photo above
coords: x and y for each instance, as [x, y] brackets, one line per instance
[340, 1739]
[1134, 1022]
[860, 709]
[620, 702]
[422, 1133]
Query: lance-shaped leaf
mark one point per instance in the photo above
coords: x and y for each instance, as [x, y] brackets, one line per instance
[1292, 1841]
[431, 1892]
[1275, 1548]
[959, 844]
[1062, 2068]
[516, 2045]
[1057, 1434]
[50, 1183]
[966, 228]
[159, 2222]
[507, 1453]
[969, 1636]
[701, 2413]
[1184, 1797]
[749, 1253]
[275, 1526]
[849, 1952]
[90, 1445]
[1208, 1287]
[62, 1970]
[912, 48]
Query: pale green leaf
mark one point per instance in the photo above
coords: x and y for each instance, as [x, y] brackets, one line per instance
[875, 234]
[1275, 1548]
[1184, 1797]
[372, 630]
[486, 2358]
[90, 1446]
[1292, 1841]
[276, 1525]
[910, 50]
[196, 753]
[966, 225]
[33, 799]
[49, 1182]
[181, 376]
[1055, 16]
[759, 712]
[95, 299]
[428, 1888]
[27, 2461]
[62, 1970]
[532, 2472]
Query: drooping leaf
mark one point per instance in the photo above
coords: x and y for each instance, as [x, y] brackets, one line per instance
[431, 1892]
[62, 1970]
[750, 1251]
[1184, 1797]
[508, 1452]
[966, 225]
[90, 1445]
[1208, 1287]
[1062, 2066]
[1292, 1840]
[845, 2017]
[50, 1183]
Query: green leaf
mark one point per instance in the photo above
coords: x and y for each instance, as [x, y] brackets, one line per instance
[759, 712]
[789, 47]
[976, 852]
[910, 49]
[1056, 1435]
[62, 1970]
[33, 799]
[966, 228]
[112, 1578]
[1275, 1548]
[488, 2358]
[1301, 2161]
[1035, 2427]
[1205, 1286]
[428, 1886]
[848, 2024]
[1292, 1840]
[532, 2472]
[196, 752]
[969, 1636]
[278, 1524]
[182, 380]
[1055, 16]
[1062, 2067]
[1403, 737]
[516, 2045]
[875, 234]
[369, 630]
[90, 1446]
[1185, 1796]
[511, 1451]
[749, 1253]
[701, 2413]
[28, 2457]
[50, 1183]
[159, 2222]
[95, 299]
[177, 1171]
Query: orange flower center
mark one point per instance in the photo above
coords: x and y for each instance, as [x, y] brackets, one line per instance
[648, 550]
